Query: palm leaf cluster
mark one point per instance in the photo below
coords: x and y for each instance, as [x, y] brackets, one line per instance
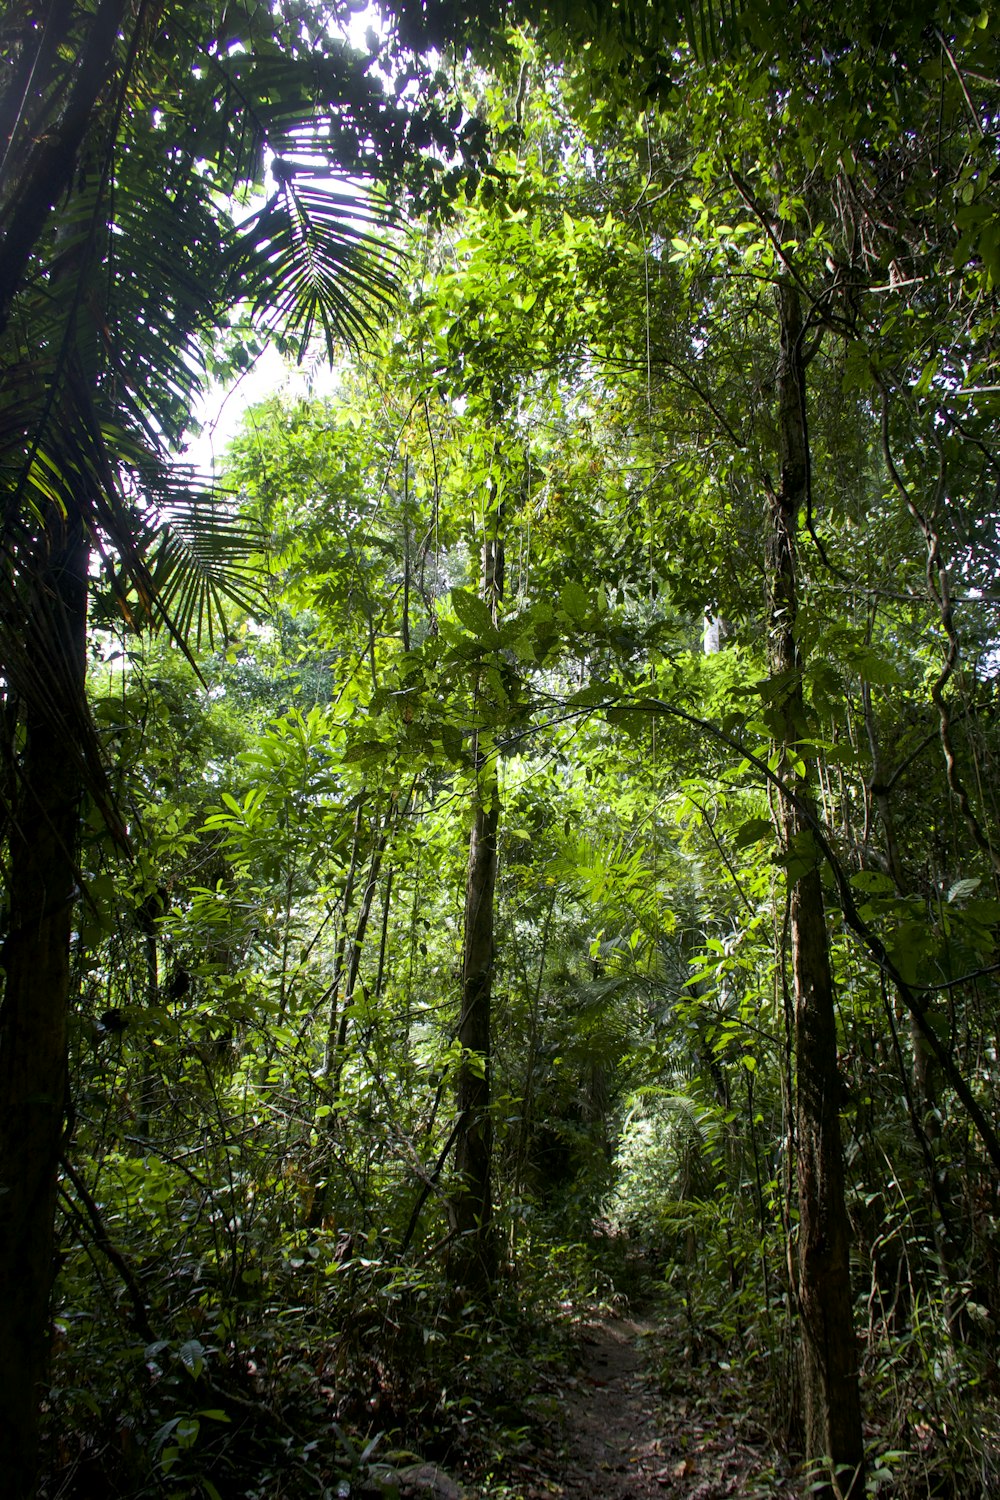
[166, 118]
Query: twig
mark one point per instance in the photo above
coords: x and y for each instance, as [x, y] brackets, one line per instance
[140, 1312]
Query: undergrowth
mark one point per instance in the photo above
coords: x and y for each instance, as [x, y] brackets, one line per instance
[316, 1385]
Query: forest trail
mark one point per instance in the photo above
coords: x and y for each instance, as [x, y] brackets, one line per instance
[610, 1444]
[619, 1439]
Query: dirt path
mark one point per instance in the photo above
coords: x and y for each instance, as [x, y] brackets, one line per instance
[619, 1441]
[611, 1445]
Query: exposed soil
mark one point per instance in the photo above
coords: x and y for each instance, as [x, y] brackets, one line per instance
[619, 1440]
[611, 1445]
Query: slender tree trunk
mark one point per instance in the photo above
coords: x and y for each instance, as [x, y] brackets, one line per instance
[924, 1068]
[473, 1263]
[358, 941]
[31, 79]
[829, 1353]
[474, 1259]
[33, 1060]
[147, 1081]
[347, 964]
[39, 162]
[333, 992]
[531, 1049]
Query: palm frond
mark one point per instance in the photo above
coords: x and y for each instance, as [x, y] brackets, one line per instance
[640, 34]
[323, 110]
[311, 258]
[202, 557]
[654, 1101]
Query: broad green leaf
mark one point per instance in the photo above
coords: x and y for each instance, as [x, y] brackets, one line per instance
[575, 602]
[192, 1357]
[752, 831]
[474, 614]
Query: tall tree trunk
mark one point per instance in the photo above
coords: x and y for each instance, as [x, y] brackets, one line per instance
[829, 1353]
[474, 1259]
[55, 149]
[33, 1061]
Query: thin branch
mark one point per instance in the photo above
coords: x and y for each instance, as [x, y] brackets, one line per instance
[938, 589]
[428, 1186]
[140, 1312]
[977, 122]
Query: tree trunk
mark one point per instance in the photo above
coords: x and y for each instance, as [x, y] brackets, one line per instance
[33, 1060]
[474, 1258]
[55, 150]
[829, 1354]
[473, 1263]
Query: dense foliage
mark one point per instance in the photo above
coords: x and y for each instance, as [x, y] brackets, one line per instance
[609, 665]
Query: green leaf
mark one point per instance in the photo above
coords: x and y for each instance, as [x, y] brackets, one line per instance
[800, 856]
[453, 743]
[909, 945]
[363, 750]
[474, 614]
[574, 601]
[187, 1431]
[101, 888]
[752, 831]
[192, 1356]
[161, 1434]
[873, 883]
[592, 695]
[312, 259]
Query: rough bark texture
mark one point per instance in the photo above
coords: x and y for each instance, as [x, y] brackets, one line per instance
[829, 1354]
[473, 1262]
[42, 890]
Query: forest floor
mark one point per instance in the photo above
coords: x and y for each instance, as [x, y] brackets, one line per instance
[615, 1435]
